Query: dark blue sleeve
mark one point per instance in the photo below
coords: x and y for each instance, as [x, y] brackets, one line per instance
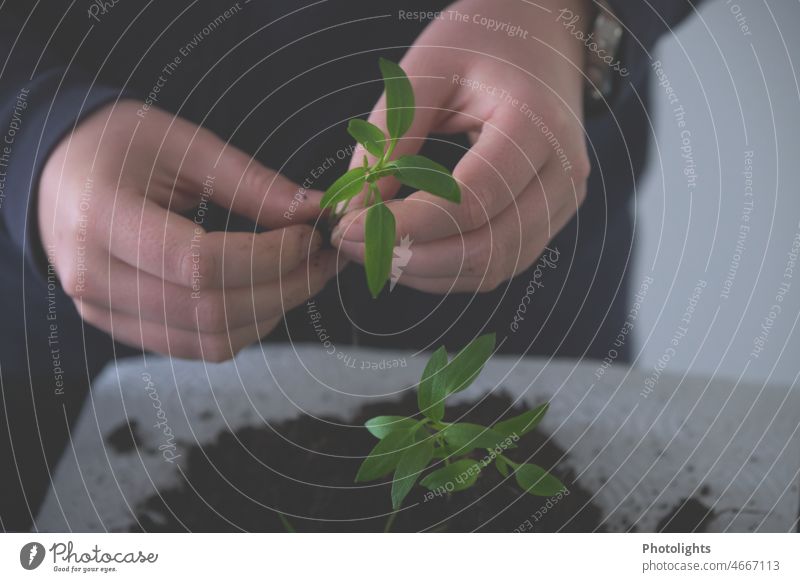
[644, 23]
[42, 98]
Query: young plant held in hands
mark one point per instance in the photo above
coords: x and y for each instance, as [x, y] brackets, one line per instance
[459, 452]
[417, 172]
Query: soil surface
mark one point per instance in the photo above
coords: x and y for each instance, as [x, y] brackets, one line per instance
[689, 515]
[304, 469]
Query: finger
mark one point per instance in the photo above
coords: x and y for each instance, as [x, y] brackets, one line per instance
[230, 178]
[485, 258]
[501, 164]
[172, 342]
[148, 298]
[169, 246]
[487, 282]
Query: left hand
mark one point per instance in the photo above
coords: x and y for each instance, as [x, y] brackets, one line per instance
[520, 99]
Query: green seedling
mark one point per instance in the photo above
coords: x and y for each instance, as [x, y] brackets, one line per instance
[454, 454]
[417, 172]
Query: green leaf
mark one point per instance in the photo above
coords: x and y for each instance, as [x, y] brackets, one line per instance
[379, 235]
[346, 187]
[399, 99]
[523, 423]
[462, 474]
[380, 426]
[502, 466]
[468, 363]
[467, 437]
[448, 451]
[368, 135]
[383, 459]
[411, 464]
[423, 174]
[536, 481]
[432, 391]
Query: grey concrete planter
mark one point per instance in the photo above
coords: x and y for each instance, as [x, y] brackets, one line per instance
[641, 447]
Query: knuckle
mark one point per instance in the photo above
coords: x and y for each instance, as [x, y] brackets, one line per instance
[477, 260]
[489, 284]
[579, 188]
[298, 250]
[181, 348]
[94, 316]
[497, 270]
[256, 179]
[557, 117]
[207, 268]
[216, 348]
[73, 283]
[581, 167]
[473, 212]
[211, 314]
[187, 266]
[581, 192]
[493, 279]
[87, 314]
[263, 329]
[197, 267]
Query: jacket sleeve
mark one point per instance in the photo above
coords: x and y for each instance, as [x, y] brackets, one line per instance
[42, 98]
[644, 23]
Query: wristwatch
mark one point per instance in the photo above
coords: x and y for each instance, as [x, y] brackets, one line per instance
[602, 64]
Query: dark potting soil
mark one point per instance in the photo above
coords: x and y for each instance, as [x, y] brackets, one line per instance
[125, 438]
[689, 515]
[304, 468]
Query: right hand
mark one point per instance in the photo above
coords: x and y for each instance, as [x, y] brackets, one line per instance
[112, 207]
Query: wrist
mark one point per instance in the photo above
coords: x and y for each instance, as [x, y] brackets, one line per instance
[574, 23]
[600, 35]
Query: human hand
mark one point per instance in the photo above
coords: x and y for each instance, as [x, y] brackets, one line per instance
[113, 203]
[518, 94]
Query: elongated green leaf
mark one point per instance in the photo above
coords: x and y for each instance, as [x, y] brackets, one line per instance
[432, 390]
[399, 99]
[536, 481]
[522, 424]
[502, 466]
[368, 135]
[456, 476]
[383, 459]
[468, 437]
[448, 451]
[380, 426]
[423, 174]
[462, 370]
[379, 235]
[411, 464]
[346, 187]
